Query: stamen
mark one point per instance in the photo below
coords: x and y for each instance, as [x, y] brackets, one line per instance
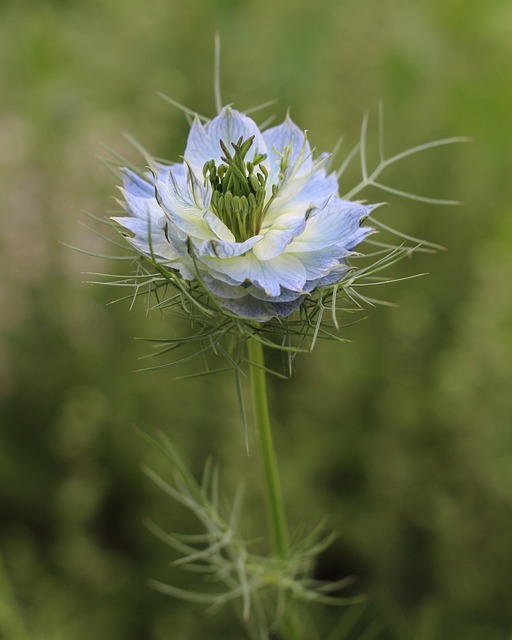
[238, 188]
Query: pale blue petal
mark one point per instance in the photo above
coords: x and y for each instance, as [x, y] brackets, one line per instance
[288, 271]
[148, 238]
[140, 228]
[154, 235]
[247, 269]
[215, 248]
[218, 227]
[284, 229]
[247, 307]
[178, 189]
[199, 147]
[153, 241]
[284, 135]
[283, 271]
[180, 204]
[337, 224]
[319, 263]
[319, 187]
[137, 186]
[172, 190]
[332, 277]
[259, 310]
[230, 125]
[143, 207]
[286, 194]
[357, 237]
[175, 236]
[285, 295]
[216, 274]
[221, 289]
[303, 194]
[162, 170]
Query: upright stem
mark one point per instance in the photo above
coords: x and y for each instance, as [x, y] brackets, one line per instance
[274, 499]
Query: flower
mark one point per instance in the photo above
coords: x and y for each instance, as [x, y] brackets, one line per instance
[250, 214]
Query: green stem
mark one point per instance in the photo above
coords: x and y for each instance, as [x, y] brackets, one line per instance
[274, 499]
[275, 507]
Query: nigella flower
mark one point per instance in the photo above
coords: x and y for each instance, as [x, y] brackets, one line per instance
[252, 215]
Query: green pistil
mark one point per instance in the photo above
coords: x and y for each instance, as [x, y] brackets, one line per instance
[238, 189]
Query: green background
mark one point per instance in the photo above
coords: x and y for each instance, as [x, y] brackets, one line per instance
[403, 437]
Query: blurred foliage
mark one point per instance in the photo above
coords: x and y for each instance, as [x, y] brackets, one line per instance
[403, 438]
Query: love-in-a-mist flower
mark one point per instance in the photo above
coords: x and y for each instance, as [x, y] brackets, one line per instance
[252, 215]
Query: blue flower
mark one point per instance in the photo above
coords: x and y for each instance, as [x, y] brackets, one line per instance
[251, 214]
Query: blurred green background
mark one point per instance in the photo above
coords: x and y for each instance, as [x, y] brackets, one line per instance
[403, 437]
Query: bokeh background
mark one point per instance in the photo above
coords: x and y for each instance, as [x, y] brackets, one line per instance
[403, 437]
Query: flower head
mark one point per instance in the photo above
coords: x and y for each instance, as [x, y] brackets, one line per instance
[252, 215]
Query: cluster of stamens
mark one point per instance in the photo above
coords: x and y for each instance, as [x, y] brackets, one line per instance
[238, 189]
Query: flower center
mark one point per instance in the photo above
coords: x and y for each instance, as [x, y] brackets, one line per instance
[238, 189]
